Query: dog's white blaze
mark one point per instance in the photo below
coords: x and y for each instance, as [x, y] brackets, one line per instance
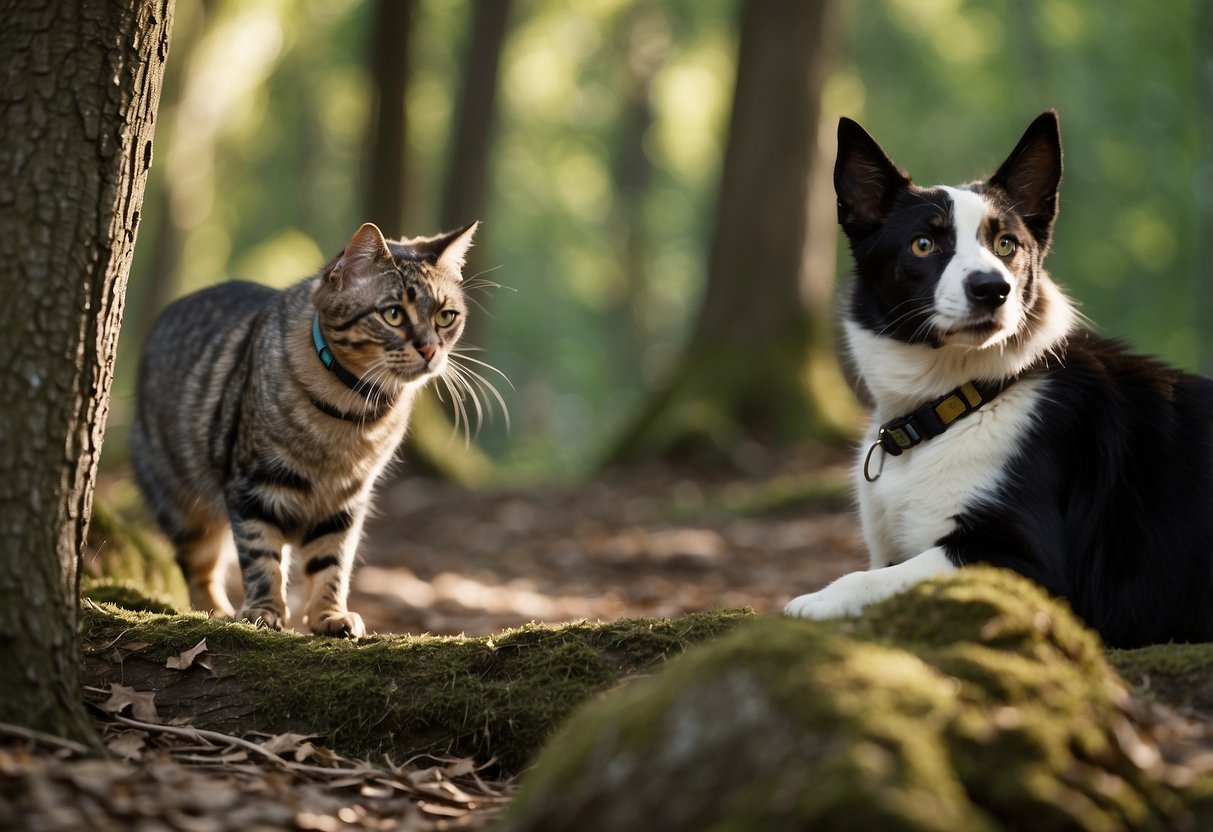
[952, 307]
[851, 593]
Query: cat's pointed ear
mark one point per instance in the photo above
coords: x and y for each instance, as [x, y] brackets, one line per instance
[865, 179]
[1031, 174]
[454, 254]
[365, 247]
[449, 249]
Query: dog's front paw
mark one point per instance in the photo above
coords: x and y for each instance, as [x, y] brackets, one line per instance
[846, 596]
[338, 624]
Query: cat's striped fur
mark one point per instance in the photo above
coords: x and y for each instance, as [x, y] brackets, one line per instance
[243, 432]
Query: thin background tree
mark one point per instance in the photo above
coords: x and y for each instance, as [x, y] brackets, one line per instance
[760, 345]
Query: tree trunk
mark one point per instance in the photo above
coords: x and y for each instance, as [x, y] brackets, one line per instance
[430, 444]
[82, 82]
[463, 194]
[156, 272]
[467, 165]
[1204, 192]
[391, 28]
[646, 46]
[754, 365]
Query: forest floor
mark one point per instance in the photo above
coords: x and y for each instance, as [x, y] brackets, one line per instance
[654, 541]
[651, 541]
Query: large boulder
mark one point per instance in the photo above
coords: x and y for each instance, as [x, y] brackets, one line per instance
[971, 702]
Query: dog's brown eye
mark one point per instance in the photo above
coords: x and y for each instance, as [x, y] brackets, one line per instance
[394, 315]
[1005, 246]
[922, 246]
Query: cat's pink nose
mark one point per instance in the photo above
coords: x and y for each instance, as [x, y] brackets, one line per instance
[427, 351]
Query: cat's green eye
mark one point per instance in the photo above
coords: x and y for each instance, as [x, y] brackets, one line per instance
[922, 245]
[1005, 246]
[446, 317]
[394, 315]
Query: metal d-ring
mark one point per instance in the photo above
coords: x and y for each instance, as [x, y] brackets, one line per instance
[867, 462]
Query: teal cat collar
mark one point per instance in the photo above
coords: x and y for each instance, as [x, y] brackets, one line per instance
[363, 387]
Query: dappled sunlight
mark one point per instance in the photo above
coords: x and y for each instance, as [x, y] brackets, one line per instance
[654, 542]
[515, 598]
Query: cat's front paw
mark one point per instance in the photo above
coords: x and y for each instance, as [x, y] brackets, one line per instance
[338, 625]
[263, 617]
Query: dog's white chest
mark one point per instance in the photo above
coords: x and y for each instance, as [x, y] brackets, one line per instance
[919, 494]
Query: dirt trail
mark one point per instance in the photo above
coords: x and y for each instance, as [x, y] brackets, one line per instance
[652, 541]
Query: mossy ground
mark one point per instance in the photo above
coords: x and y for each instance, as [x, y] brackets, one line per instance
[123, 554]
[496, 697]
[967, 703]
[1180, 675]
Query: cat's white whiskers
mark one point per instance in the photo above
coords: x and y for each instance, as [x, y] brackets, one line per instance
[458, 377]
[460, 411]
[481, 382]
[463, 355]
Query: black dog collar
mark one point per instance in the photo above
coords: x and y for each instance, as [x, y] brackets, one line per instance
[930, 420]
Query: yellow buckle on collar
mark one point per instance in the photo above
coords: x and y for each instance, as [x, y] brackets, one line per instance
[953, 407]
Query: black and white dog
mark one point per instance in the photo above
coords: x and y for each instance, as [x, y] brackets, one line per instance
[1004, 432]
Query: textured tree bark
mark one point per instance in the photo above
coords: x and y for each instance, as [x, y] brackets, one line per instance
[749, 368]
[81, 86]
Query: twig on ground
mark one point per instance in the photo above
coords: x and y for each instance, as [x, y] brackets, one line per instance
[43, 738]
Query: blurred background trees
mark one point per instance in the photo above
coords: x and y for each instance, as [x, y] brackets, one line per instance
[595, 141]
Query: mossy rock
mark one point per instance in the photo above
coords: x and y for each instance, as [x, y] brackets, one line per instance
[972, 702]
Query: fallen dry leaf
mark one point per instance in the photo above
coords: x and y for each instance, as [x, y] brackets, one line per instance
[141, 703]
[189, 658]
[281, 744]
[127, 744]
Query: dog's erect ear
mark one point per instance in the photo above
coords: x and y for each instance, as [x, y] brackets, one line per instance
[1031, 174]
[865, 179]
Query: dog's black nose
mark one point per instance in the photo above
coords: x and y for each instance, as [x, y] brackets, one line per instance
[987, 289]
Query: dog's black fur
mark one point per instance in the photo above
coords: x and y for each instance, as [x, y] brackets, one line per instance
[1105, 494]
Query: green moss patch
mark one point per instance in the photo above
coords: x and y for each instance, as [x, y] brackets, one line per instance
[397, 695]
[1180, 675]
[972, 702]
[123, 554]
[125, 594]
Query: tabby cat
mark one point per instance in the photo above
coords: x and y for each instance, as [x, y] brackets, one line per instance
[266, 416]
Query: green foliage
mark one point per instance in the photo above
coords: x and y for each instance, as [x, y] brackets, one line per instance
[972, 702]
[259, 164]
[948, 88]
